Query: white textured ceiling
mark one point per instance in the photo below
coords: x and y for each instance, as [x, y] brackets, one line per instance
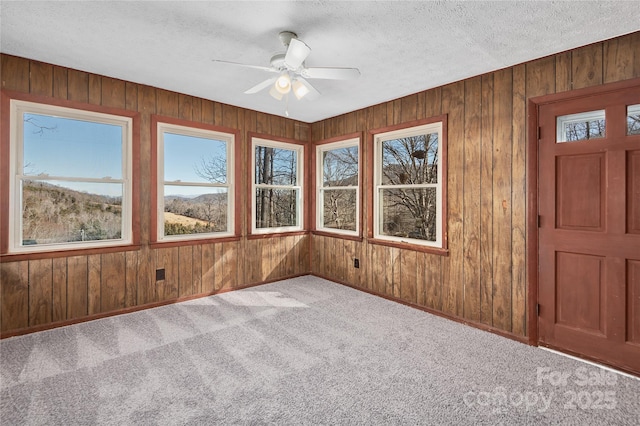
[400, 47]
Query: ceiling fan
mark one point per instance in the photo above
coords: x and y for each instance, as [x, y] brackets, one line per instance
[291, 72]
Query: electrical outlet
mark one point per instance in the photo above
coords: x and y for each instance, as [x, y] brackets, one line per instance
[159, 274]
[356, 263]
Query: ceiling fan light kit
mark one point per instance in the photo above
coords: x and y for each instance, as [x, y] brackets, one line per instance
[293, 73]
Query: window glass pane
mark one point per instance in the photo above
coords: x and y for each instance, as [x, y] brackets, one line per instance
[194, 159]
[633, 120]
[409, 213]
[276, 166]
[410, 160]
[340, 167]
[58, 146]
[62, 212]
[276, 208]
[339, 209]
[582, 126]
[195, 210]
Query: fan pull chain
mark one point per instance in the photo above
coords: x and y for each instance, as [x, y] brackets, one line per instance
[286, 108]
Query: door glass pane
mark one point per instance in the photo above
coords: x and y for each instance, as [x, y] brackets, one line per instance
[580, 127]
[195, 209]
[56, 212]
[339, 209]
[633, 120]
[408, 213]
[276, 208]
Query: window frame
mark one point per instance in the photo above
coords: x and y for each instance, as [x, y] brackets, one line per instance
[353, 140]
[14, 105]
[163, 125]
[376, 137]
[280, 143]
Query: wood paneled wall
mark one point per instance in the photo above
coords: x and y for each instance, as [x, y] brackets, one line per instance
[35, 293]
[483, 279]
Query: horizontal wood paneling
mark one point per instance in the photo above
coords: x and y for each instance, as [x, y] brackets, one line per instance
[483, 279]
[45, 291]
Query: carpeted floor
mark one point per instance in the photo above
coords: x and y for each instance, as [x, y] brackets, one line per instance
[300, 351]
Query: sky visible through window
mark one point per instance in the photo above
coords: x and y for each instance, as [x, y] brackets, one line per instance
[187, 158]
[70, 148]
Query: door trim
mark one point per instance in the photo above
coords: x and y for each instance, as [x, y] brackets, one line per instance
[533, 106]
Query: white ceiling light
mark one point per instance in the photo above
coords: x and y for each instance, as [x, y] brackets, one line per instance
[299, 89]
[283, 83]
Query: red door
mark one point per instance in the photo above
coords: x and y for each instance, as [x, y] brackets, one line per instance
[589, 235]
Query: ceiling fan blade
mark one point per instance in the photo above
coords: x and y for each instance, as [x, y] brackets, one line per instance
[258, 87]
[331, 73]
[296, 54]
[313, 92]
[257, 67]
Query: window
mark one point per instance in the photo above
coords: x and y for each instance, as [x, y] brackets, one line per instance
[633, 120]
[338, 191]
[409, 185]
[276, 186]
[582, 126]
[195, 183]
[70, 178]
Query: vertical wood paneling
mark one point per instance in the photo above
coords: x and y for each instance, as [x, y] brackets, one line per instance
[167, 103]
[563, 72]
[113, 93]
[94, 266]
[621, 58]
[486, 203]
[131, 279]
[519, 204]
[15, 73]
[95, 89]
[408, 277]
[77, 287]
[433, 282]
[230, 277]
[131, 96]
[185, 271]
[453, 104]
[586, 65]
[40, 292]
[471, 197]
[59, 289]
[60, 82]
[112, 281]
[396, 271]
[208, 272]
[14, 313]
[78, 86]
[41, 76]
[483, 278]
[502, 144]
[219, 267]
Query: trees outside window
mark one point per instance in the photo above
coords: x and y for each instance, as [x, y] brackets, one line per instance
[70, 178]
[408, 178]
[338, 180]
[276, 186]
[195, 182]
